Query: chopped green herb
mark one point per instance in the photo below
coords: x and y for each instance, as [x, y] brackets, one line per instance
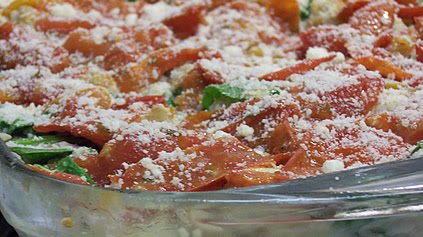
[40, 155]
[221, 93]
[15, 127]
[305, 11]
[37, 140]
[274, 92]
[68, 165]
[171, 100]
[418, 147]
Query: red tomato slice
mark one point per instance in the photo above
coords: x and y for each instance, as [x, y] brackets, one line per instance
[153, 67]
[332, 38]
[5, 30]
[254, 176]
[384, 67]
[409, 13]
[419, 51]
[79, 41]
[387, 123]
[47, 24]
[60, 175]
[374, 18]
[187, 22]
[299, 68]
[350, 8]
[285, 12]
[345, 141]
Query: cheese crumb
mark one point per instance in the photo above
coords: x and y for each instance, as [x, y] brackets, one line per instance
[63, 10]
[333, 166]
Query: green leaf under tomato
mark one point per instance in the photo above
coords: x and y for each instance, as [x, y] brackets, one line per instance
[32, 155]
[418, 147]
[68, 165]
[222, 93]
[15, 127]
[37, 140]
[305, 11]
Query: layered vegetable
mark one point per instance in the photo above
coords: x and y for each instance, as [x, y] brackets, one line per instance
[206, 95]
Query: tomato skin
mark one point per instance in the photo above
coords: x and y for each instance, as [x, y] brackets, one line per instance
[419, 26]
[388, 122]
[60, 175]
[374, 18]
[106, 6]
[71, 108]
[251, 177]
[285, 12]
[343, 99]
[299, 68]
[409, 13]
[153, 67]
[78, 41]
[346, 144]
[47, 24]
[329, 37]
[5, 30]
[277, 114]
[419, 51]
[283, 139]
[186, 24]
[116, 57]
[207, 167]
[350, 8]
[148, 100]
[384, 67]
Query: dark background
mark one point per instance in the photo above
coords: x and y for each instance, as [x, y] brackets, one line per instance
[5, 229]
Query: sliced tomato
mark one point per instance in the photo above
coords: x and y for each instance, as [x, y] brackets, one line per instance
[68, 119]
[299, 68]
[374, 18]
[260, 121]
[79, 41]
[117, 57]
[348, 142]
[330, 37]
[419, 51]
[283, 139]
[198, 168]
[5, 30]
[154, 66]
[130, 99]
[419, 26]
[60, 175]
[350, 8]
[47, 24]
[384, 67]
[187, 22]
[355, 99]
[255, 176]
[285, 12]
[106, 6]
[386, 122]
[408, 13]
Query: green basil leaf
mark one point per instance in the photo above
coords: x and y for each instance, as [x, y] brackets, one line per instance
[32, 155]
[68, 165]
[418, 147]
[15, 127]
[222, 93]
[305, 11]
[37, 140]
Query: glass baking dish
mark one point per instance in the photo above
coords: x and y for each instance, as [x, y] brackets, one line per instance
[382, 200]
